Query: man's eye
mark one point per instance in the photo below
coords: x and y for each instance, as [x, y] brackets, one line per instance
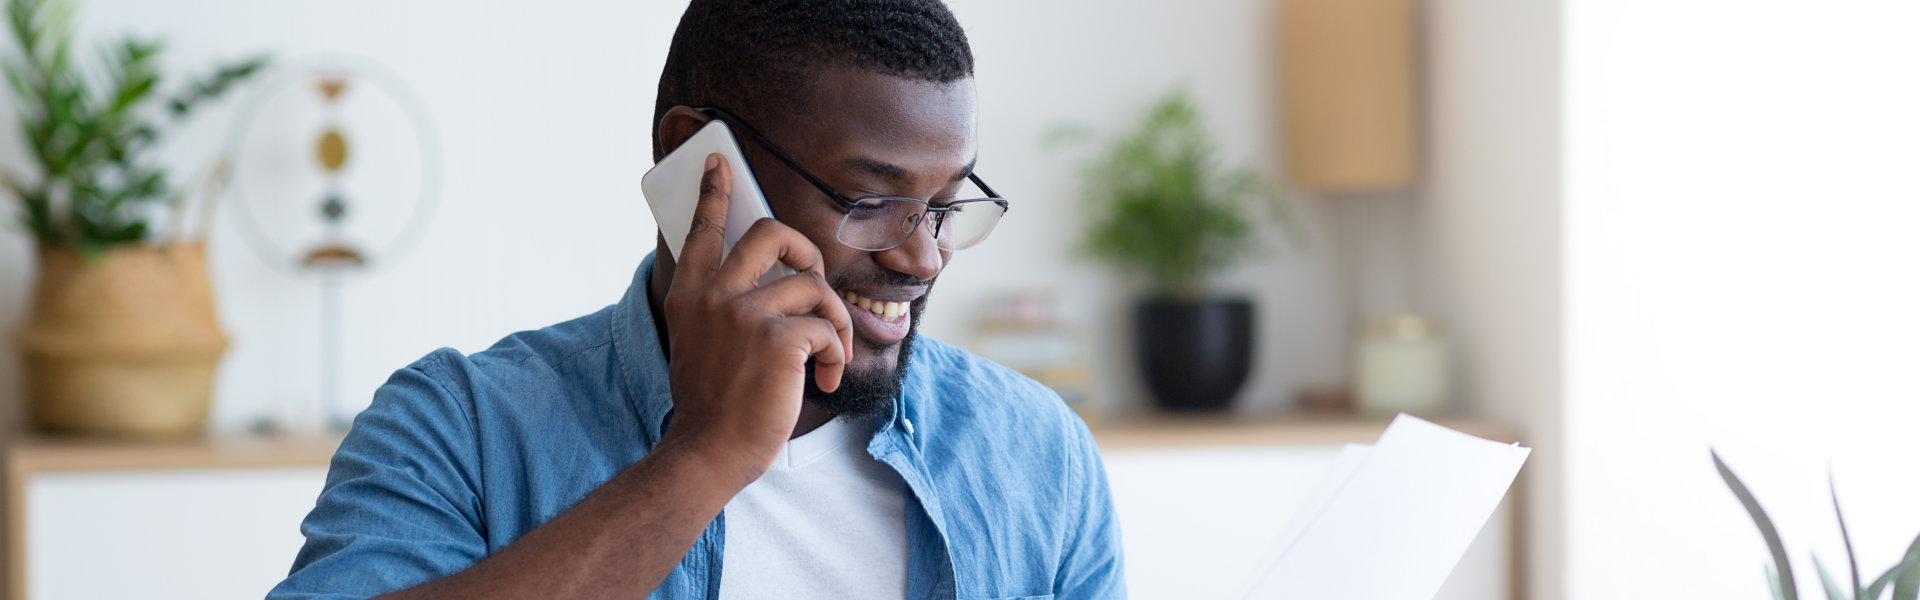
[867, 209]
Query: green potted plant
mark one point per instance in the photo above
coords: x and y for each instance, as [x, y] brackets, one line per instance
[122, 338]
[1902, 580]
[1161, 205]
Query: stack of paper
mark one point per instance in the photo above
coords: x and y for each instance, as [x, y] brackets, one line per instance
[1390, 521]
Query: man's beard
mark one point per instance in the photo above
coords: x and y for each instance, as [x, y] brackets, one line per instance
[870, 394]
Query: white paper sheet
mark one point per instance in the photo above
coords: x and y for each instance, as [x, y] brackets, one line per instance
[1390, 521]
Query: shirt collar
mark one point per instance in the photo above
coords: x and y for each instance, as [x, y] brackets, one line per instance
[642, 357]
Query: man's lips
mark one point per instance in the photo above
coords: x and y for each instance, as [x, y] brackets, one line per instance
[882, 321]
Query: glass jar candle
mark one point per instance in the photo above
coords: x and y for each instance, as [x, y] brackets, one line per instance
[1400, 365]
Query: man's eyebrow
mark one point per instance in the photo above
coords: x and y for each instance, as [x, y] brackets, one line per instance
[894, 173]
[965, 171]
[875, 166]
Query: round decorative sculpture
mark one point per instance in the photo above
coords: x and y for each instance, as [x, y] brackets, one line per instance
[335, 172]
[335, 167]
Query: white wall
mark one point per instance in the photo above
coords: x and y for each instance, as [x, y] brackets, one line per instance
[1490, 234]
[1099, 63]
[1740, 201]
[542, 111]
[543, 117]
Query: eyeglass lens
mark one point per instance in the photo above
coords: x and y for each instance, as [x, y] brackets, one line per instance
[880, 223]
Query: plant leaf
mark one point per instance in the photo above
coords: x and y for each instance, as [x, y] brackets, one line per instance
[1880, 585]
[17, 81]
[1773, 582]
[1906, 585]
[1853, 563]
[1160, 204]
[212, 86]
[1767, 532]
[1833, 590]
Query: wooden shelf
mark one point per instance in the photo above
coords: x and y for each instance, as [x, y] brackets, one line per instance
[1191, 431]
[39, 453]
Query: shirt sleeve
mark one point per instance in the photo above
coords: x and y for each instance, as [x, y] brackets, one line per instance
[1091, 567]
[401, 505]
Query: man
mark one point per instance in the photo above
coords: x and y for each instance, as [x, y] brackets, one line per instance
[709, 438]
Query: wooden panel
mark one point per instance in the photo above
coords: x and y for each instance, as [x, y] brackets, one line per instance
[1347, 72]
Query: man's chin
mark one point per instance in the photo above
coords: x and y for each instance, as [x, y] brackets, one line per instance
[870, 384]
[862, 393]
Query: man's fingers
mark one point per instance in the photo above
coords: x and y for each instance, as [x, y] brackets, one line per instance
[808, 297]
[766, 244]
[825, 345]
[804, 294]
[700, 254]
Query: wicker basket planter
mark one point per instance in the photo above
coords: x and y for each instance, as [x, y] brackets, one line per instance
[126, 344]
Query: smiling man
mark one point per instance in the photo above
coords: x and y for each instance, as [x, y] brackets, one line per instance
[707, 437]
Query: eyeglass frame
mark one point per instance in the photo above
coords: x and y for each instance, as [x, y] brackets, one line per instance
[940, 212]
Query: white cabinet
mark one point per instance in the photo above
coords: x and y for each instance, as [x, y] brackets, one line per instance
[187, 534]
[1202, 503]
[201, 519]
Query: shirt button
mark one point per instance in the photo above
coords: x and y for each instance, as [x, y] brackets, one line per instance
[909, 423]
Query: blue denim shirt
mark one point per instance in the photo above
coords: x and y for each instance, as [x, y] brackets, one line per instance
[459, 456]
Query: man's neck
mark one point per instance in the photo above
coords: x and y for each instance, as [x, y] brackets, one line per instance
[811, 416]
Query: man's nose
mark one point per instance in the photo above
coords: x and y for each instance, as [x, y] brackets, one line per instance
[919, 256]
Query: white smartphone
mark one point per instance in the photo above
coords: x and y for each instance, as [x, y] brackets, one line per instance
[672, 188]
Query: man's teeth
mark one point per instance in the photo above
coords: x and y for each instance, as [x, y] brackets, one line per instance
[887, 311]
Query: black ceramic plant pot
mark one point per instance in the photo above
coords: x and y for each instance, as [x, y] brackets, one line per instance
[1195, 354]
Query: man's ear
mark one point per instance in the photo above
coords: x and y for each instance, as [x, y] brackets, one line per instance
[680, 123]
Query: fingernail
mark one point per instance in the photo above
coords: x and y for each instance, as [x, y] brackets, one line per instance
[713, 160]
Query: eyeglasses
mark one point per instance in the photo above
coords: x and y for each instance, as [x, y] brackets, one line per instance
[877, 223]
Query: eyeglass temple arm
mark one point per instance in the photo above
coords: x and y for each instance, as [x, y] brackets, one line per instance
[736, 123]
[975, 178]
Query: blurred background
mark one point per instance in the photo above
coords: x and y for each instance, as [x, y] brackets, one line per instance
[1620, 232]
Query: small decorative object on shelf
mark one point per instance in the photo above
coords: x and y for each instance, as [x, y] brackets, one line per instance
[1903, 579]
[122, 338]
[1025, 333]
[336, 176]
[1324, 401]
[1400, 366]
[1162, 205]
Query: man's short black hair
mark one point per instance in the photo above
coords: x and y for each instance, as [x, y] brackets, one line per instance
[754, 57]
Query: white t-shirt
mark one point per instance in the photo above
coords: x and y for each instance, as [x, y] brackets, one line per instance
[826, 521]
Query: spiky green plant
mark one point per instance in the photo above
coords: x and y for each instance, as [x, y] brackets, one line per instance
[1159, 201]
[1904, 578]
[90, 137]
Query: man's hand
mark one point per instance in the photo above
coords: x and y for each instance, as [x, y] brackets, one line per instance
[739, 363]
[739, 352]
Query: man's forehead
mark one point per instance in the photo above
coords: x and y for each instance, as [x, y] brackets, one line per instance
[891, 171]
[889, 127]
